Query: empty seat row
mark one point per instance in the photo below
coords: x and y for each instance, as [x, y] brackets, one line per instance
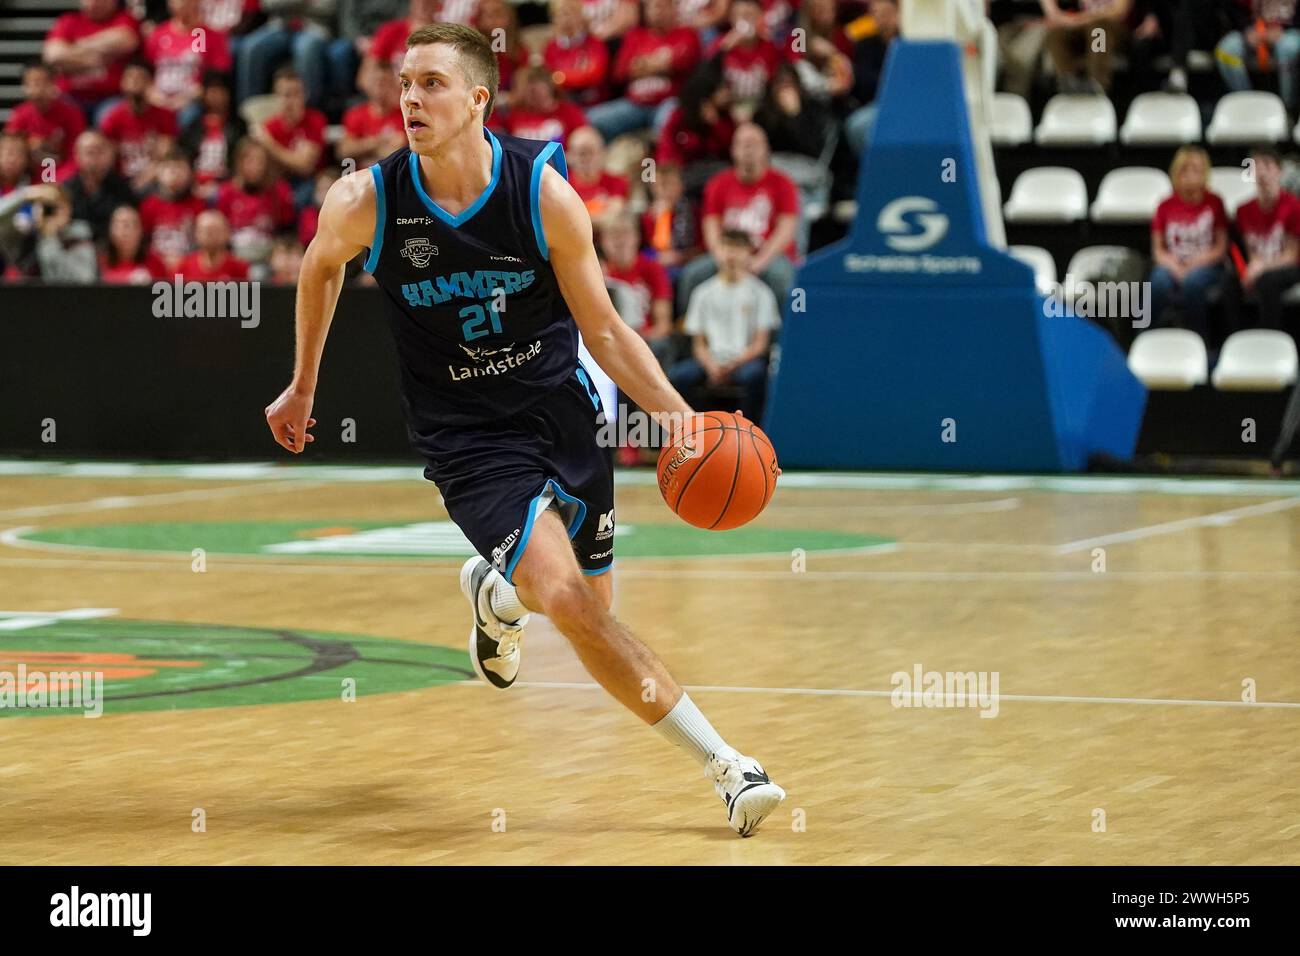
[1256, 360]
[1126, 195]
[1154, 119]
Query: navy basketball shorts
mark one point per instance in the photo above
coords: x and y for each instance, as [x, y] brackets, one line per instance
[498, 477]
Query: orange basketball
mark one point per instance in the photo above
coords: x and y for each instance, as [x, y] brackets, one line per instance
[720, 473]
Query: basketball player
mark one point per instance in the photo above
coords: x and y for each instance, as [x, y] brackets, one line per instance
[484, 254]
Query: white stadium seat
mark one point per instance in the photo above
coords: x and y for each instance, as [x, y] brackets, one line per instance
[1091, 261]
[1229, 183]
[1169, 359]
[1076, 119]
[1041, 261]
[1130, 194]
[1010, 122]
[1047, 194]
[1257, 360]
[1248, 116]
[1162, 119]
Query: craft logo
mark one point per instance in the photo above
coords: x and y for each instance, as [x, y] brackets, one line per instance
[417, 221]
[419, 252]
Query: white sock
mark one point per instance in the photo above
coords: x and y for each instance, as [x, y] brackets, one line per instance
[505, 602]
[685, 726]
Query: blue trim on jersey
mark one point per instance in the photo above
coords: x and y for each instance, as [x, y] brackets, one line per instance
[539, 163]
[473, 207]
[595, 571]
[589, 384]
[381, 214]
[554, 488]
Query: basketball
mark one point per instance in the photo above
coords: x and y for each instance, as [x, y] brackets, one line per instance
[720, 472]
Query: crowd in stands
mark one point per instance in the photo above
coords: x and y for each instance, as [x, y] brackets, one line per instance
[137, 153]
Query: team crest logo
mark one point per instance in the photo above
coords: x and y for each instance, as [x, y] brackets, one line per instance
[419, 252]
[482, 354]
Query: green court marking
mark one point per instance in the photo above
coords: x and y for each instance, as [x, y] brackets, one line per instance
[152, 665]
[426, 539]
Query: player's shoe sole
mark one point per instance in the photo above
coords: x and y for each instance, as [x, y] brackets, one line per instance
[751, 807]
[493, 646]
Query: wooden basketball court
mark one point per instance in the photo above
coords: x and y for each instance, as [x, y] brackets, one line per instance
[1124, 619]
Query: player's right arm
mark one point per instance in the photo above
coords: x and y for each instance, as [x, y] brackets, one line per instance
[346, 227]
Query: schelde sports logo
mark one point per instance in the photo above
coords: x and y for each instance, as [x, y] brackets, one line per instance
[901, 234]
[910, 225]
[419, 252]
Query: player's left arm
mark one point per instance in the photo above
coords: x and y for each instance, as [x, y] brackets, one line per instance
[615, 346]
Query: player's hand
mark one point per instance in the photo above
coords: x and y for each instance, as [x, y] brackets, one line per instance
[289, 417]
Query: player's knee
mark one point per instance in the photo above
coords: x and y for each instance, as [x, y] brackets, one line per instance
[572, 606]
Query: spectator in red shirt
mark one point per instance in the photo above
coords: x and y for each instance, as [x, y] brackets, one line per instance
[257, 203]
[653, 61]
[670, 225]
[604, 193]
[749, 57]
[373, 129]
[142, 132]
[294, 136]
[126, 259]
[538, 113]
[182, 50]
[168, 216]
[498, 21]
[1189, 240]
[698, 134]
[88, 50]
[578, 59]
[213, 262]
[758, 200]
[646, 300]
[388, 45]
[309, 215]
[49, 121]
[210, 138]
[1270, 231]
[15, 163]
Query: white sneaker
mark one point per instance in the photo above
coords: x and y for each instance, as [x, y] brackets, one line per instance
[745, 787]
[493, 644]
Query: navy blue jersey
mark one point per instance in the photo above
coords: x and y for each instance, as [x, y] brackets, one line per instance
[482, 331]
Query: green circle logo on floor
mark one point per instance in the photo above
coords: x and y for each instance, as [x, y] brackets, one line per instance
[78, 662]
[429, 539]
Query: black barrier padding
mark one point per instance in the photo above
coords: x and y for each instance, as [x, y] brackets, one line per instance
[120, 382]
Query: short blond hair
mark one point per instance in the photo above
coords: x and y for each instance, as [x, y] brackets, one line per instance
[474, 49]
[1184, 156]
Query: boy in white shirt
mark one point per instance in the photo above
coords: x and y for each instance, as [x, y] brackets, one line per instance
[730, 319]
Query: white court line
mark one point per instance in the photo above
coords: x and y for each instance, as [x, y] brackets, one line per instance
[131, 501]
[838, 692]
[182, 561]
[905, 510]
[1215, 519]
